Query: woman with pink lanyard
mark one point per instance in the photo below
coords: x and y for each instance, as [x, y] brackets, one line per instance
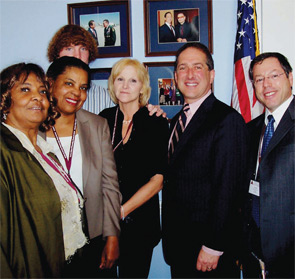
[140, 147]
[40, 207]
[81, 141]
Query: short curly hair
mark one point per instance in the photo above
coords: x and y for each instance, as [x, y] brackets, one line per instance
[142, 74]
[71, 35]
[20, 72]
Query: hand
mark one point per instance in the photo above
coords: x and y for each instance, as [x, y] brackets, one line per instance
[206, 262]
[156, 109]
[110, 252]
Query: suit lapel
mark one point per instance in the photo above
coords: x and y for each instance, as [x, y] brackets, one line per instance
[84, 136]
[286, 123]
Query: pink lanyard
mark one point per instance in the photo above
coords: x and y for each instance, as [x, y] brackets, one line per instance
[59, 169]
[67, 161]
[114, 131]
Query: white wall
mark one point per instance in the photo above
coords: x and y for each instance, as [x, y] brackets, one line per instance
[278, 28]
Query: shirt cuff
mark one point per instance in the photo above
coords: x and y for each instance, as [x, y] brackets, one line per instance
[211, 251]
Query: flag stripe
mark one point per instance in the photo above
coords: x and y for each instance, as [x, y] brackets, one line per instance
[242, 91]
[246, 48]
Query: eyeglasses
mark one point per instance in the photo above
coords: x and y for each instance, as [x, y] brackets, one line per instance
[260, 80]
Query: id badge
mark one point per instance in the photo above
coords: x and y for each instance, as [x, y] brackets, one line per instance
[254, 188]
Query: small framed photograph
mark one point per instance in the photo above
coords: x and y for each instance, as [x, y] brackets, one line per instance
[164, 91]
[171, 23]
[107, 22]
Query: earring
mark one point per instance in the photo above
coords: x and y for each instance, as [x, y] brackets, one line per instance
[4, 115]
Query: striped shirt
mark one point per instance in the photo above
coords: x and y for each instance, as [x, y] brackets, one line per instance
[98, 99]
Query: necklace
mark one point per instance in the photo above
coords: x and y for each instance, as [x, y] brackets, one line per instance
[126, 121]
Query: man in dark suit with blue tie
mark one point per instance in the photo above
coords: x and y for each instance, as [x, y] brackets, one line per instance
[269, 207]
[207, 158]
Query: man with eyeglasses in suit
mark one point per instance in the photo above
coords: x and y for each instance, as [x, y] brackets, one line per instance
[269, 208]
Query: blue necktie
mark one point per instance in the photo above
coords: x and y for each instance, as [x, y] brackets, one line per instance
[180, 126]
[267, 134]
[269, 131]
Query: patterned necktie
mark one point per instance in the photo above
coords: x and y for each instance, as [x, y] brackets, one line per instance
[180, 126]
[172, 30]
[269, 131]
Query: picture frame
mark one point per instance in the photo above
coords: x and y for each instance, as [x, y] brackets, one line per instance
[112, 26]
[191, 21]
[162, 77]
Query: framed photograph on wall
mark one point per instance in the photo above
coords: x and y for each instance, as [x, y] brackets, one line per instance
[171, 23]
[164, 91]
[107, 22]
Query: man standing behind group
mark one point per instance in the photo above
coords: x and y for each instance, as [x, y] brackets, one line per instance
[166, 31]
[109, 33]
[73, 40]
[269, 223]
[204, 176]
[183, 29]
[92, 30]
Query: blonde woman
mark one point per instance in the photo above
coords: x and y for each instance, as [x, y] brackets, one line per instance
[140, 148]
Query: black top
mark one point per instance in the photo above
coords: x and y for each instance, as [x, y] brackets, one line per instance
[139, 159]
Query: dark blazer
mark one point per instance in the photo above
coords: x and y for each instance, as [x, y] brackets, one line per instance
[90, 30]
[166, 35]
[100, 182]
[205, 173]
[277, 183]
[187, 32]
[139, 159]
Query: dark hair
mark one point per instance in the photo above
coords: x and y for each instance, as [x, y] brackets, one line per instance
[259, 59]
[68, 35]
[199, 46]
[90, 23]
[106, 20]
[60, 65]
[20, 72]
[167, 14]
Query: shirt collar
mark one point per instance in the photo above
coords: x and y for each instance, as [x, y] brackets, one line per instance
[195, 105]
[26, 143]
[278, 112]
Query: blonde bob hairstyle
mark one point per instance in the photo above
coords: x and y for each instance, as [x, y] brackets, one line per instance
[142, 75]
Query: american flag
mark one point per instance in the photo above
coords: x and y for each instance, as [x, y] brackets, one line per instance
[246, 48]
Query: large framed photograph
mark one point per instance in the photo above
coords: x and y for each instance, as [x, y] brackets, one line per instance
[107, 22]
[171, 23]
[164, 91]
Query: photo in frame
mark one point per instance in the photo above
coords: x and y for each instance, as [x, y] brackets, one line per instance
[163, 88]
[107, 22]
[179, 22]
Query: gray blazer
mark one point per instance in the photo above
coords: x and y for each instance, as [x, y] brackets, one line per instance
[100, 181]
